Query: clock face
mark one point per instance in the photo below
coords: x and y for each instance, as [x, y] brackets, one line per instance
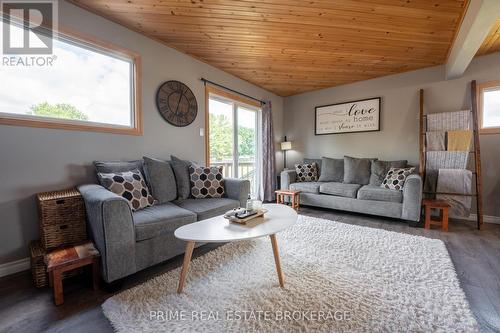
[176, 103]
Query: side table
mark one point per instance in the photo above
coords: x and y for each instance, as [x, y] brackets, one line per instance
[69, 258]
[442, 206]
[294, 195]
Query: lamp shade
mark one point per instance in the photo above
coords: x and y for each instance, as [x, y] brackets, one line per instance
[286, 145]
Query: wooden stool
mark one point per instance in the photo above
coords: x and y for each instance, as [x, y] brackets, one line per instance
[69, 258]
[294, 195]
[442, 206]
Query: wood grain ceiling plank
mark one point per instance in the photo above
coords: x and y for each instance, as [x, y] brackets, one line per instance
[367, 24]
[218, 6]
[405, 7]
[295, 39]
[330, 48]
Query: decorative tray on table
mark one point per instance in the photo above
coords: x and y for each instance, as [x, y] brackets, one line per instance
[242, 216]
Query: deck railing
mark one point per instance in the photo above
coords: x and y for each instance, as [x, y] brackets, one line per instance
[246, 168]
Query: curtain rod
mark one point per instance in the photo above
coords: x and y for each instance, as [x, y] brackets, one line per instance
[205, 81]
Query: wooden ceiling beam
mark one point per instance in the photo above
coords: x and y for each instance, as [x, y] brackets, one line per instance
[480, 17]
[492, 42]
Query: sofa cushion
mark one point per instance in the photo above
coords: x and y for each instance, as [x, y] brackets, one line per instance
[207, 208]
[377, 193]
[181, 172]
[308, 187]
[160, 219]
[357, 170]
[340, 189]
[332, 170]
[380, 168]
[161, 179]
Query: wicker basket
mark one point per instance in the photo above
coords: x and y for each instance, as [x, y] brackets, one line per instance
[38, 267]
[62, 218]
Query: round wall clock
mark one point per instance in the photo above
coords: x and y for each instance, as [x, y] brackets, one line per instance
[176, 103]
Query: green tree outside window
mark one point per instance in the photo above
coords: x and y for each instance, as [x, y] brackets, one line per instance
[62, 111]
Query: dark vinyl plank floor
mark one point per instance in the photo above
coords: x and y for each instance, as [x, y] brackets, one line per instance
[475, 254]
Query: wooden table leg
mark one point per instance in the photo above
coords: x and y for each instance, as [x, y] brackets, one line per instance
[277, 198]
[185, 265]
[58, 287]
[277, 260]
[51, 279]
[95, 274]
[444, 223]
[427, 217]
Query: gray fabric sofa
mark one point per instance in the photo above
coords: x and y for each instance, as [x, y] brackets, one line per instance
[131, 241]
[368, 197]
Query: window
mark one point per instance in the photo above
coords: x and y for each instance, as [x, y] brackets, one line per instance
[233, 136]
[489, 107]
[88, 85]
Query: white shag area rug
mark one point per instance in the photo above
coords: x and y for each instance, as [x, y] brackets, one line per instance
[338, 278]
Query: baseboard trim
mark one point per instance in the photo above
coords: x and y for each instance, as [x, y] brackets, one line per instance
[486, 218]
[14, 267]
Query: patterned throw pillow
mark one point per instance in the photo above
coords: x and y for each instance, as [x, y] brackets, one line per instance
[306, 172]
[206, 182]
[130, 185]
[396, 177]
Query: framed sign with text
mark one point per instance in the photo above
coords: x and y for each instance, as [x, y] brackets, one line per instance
[348, 117]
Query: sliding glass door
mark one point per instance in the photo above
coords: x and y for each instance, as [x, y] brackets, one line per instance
[233, 140]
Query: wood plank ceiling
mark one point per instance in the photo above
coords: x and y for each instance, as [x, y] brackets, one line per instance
[294, 46]
[492, 42]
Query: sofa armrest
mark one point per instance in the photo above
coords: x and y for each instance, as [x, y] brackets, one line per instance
[287, 177]
[112, 229]
[412, 198]
[237, 189]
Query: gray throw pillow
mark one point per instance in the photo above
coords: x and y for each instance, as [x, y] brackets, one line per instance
[161, 179]
[332, 170]
[181, 172]
[379, 170]
[357, 170]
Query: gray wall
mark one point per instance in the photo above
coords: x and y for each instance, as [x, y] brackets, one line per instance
[35, 160]
[398, 138]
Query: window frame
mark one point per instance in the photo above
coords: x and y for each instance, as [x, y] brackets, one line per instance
[225, 95]
[82, 40]
[480, 89]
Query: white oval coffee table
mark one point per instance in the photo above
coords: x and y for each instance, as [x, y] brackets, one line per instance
[219, 230]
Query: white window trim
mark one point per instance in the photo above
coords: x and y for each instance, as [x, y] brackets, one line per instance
[480, 89]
